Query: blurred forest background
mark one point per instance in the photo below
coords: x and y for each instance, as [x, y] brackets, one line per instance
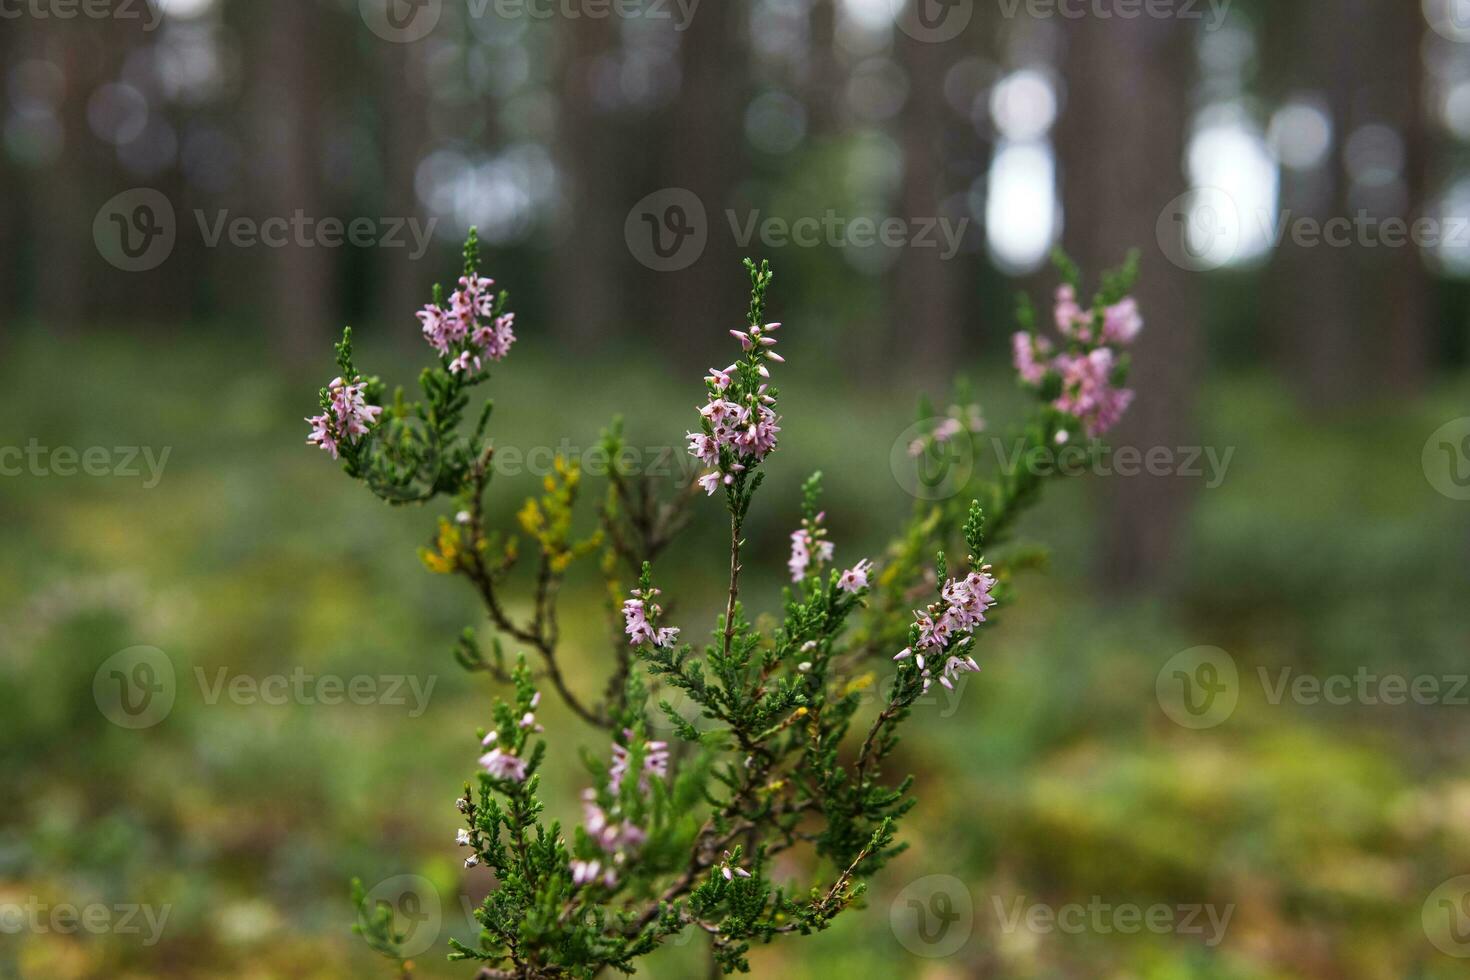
[1327, 548]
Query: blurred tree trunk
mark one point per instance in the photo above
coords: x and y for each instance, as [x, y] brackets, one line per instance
[824, 73]
[1310, 304]
[1350, 319]
[405, 103]
[12, 216]
[705, 145]
[589, 236]
[1398, 282]
[285, 118]
[924, 294]
[67, 195]
[1121, 139]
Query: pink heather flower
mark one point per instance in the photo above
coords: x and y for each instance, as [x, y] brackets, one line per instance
[956, 617]
[720, 378]
[1072, 320]
[855, 579]
[436, 331]
[586, 872]
[729, 872]
[808, 543]
[738, 419]
[704, 448]
[1029, 353]
[321, 434]
[348, 417]
[655, 763]
[611, 837]
[711, 481]
[1088, 392]
[640, 631]
[1122, 322]
[757, 438]
[504, 765]
[458, 331]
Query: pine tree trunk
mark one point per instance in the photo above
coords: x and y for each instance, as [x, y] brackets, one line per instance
[1122, 139]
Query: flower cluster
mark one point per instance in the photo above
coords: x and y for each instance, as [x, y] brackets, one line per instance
[809, 543]
[961, 419]
[636, 613]
[948, 624]
[346, 416]
[655, 763]
[739, 424]
[617, 839]
[615, 836]
[505, 763]
[1089, 370]
[458, 333]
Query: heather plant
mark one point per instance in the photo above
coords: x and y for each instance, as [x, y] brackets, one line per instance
[787, 755]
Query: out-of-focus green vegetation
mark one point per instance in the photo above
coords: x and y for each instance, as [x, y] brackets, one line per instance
[1052, 778]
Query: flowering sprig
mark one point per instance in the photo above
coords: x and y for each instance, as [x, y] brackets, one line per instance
[785, 756]
[739, 424]
[640, 615]
[1084, 379]
[809, 544]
